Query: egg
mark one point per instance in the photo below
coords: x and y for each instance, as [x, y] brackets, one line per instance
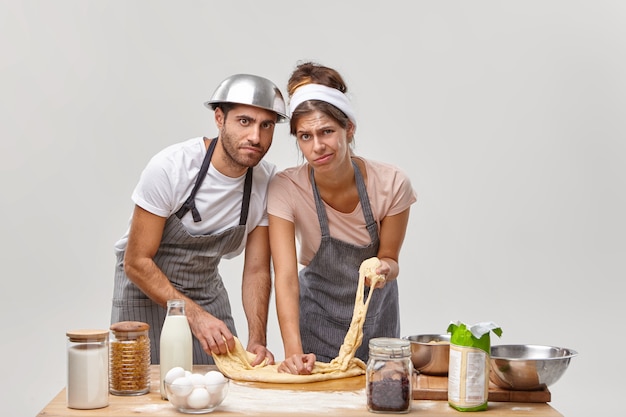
[181, 387]
[197, 379]
[174, 373]
[199, 398]
[214, 381]
[214, 377]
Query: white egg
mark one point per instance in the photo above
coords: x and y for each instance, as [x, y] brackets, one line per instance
[199, 398]
[197, 379]
[174, 373]
[181, 387]
[214, 381]
[214, 377]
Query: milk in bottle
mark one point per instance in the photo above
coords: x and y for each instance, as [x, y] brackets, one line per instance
[176, 347]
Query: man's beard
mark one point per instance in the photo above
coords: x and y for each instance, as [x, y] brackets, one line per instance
[232, 155]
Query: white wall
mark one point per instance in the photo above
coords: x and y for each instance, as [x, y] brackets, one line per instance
[508, 117]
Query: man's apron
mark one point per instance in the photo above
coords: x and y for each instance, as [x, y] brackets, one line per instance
[328, 288]
[191, 264]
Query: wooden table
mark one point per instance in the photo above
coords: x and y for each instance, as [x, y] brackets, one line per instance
[344, 397]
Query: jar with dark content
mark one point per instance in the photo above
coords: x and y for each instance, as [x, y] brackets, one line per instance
[129, 362]
[388, 376]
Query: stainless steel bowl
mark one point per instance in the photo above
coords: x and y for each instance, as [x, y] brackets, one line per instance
[430, 353]
[528, 367]
[251, 90]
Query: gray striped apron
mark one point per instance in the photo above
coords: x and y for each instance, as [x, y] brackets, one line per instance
[328, 287]
[191, 264]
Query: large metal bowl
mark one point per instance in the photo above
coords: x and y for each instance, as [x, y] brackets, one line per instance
[430, 353]
[252, 90]
[528, 367]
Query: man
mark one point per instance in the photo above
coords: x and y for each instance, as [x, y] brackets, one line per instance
[196, 202]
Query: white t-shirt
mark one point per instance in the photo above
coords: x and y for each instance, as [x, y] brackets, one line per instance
[169, 177]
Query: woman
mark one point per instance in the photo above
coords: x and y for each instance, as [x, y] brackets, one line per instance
[343, 209]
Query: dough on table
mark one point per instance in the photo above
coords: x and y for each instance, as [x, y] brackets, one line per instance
[236, 364]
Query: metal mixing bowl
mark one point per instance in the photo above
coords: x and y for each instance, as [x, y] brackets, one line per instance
[528, 367]
[251, 90]
[430, 353]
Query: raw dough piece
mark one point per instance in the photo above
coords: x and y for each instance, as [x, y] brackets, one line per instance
[236, 364]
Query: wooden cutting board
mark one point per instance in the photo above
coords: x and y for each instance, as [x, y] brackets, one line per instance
[427, 387]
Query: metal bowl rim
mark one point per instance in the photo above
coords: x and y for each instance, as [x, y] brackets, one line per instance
[442, 336]
[570, 352]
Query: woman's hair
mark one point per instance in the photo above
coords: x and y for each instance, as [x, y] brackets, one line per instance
[312, 73]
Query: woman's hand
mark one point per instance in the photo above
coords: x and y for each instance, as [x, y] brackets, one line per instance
[298, 364]
[383, 270]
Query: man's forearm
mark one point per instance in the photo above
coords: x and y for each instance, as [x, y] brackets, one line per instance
[255, 297]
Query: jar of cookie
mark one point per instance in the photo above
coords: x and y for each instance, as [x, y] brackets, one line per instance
[129, 361]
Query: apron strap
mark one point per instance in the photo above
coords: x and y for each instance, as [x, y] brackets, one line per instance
[190, 203]
[370, 222]
[245, 204]
[319, 204]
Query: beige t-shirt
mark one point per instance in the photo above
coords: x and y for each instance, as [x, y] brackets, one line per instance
[291, 198]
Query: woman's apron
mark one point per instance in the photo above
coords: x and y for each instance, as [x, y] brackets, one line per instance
[191, 264]
[328, 288]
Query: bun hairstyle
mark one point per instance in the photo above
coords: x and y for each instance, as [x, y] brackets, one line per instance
[312, 73]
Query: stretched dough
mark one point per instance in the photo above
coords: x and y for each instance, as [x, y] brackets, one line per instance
[236, 364]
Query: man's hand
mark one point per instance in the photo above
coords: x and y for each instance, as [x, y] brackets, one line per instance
[261, 352]
[213, 334]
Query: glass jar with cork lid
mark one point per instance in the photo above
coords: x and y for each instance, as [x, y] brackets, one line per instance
[129, 362]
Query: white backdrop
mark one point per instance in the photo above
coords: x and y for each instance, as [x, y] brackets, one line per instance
[508, 117]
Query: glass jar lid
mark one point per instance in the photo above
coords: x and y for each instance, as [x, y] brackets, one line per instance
[390, 347]
[129, 329]
[87, 335]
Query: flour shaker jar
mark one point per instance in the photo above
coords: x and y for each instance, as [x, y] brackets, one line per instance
[129, 359]
[388, 375]
[87, 369]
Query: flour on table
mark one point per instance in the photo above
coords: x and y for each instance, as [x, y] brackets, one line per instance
[236, 364]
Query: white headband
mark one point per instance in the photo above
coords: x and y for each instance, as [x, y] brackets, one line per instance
[323, 93]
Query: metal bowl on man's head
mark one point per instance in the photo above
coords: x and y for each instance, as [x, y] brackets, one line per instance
[430, 353]
[528, 367]
[250, 90]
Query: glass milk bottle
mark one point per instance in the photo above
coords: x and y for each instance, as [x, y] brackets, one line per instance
[87, 369]
[176, 348]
